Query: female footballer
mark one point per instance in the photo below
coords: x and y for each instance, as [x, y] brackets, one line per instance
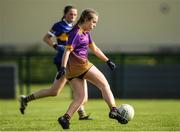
[60, 31]
[76, 67]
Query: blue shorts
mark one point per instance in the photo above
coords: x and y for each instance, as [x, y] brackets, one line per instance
[58, 59]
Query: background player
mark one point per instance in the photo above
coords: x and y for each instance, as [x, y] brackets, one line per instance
[60, 31]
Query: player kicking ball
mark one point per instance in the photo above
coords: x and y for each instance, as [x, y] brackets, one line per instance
[76, 67]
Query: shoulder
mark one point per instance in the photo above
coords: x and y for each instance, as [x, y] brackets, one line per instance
[73, 35]
[89, 35]
[74, 31]
[58, 24]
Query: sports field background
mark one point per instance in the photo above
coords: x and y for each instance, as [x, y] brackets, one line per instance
[133, 31]
[150, 115]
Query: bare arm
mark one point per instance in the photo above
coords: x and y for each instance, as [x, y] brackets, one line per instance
[102, 56]
[98, 53]
[65, 57]
[48, 40]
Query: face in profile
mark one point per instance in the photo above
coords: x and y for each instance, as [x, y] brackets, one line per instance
[71, 15]
[92, 23]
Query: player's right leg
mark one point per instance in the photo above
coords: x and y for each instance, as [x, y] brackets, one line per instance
[52, 91]
[78, 98]
[81, 111]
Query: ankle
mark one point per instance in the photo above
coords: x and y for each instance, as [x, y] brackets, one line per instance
[113, 109]
[82, 113]
[29, 98]
[67, 116]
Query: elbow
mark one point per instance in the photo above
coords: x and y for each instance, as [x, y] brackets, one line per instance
[95, 50]
[45, 39]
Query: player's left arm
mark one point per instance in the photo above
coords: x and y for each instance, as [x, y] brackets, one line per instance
[102, 56]
[98, 52]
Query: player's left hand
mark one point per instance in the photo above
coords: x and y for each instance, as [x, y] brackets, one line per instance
[58, 47]
[61, 72]
[111, 65]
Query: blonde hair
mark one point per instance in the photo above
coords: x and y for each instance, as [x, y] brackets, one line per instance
[86, 15]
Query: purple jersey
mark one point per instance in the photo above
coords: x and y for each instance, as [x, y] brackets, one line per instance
[79, 42]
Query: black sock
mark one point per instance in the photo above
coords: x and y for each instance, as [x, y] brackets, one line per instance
[82, 113]
[29, 98]
[67, 116]
[114, 109]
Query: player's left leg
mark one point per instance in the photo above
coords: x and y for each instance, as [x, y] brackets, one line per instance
[81, 111]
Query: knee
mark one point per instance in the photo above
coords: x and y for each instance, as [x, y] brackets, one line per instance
[104, 86]
[53, 92]
[79, 100]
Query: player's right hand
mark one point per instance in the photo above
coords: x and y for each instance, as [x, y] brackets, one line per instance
[61, 72]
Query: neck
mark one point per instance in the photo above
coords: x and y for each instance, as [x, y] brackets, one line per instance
[67, 22]
[82, 27]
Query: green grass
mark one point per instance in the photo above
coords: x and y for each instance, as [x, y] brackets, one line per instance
[150, 115]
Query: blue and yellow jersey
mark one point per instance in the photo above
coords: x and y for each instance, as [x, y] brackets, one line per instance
[60, 31]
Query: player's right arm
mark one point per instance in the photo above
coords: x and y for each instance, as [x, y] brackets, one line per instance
[65, 58]
[68, 49]
[48, 39]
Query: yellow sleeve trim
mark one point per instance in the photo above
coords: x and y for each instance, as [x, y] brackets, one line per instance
[69, 47]
[92, 44]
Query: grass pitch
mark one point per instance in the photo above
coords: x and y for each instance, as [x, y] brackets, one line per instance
[42, 115]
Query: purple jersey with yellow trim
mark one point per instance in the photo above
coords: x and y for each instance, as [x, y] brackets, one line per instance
[79, 42]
